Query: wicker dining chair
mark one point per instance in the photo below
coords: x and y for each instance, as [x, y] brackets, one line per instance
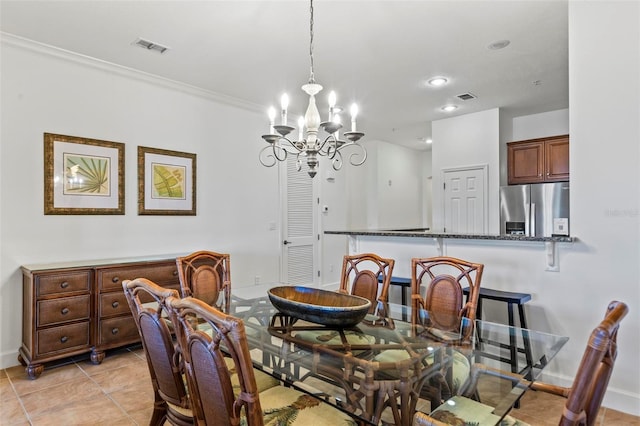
[215, 353]
[583, 398]
[171, 400]
[367, 275]
[444, 278]
[206, 275]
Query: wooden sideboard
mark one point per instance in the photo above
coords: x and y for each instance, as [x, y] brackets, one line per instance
[74, 308]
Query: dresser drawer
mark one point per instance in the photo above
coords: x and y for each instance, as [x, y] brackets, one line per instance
[50, 284]
[63, 309]
[111, 304]
[118, 330]
[160, 273]
[63, 339]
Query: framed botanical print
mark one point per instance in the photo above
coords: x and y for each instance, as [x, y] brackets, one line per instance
[166, 182]
[83, 176]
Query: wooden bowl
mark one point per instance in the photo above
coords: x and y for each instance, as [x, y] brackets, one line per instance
[320, 306]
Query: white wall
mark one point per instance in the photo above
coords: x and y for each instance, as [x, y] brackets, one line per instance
[604, 40]
[427, 189]
[48, 91]
[467, 140]
[550, 123]
[399, 187]
[386, 192]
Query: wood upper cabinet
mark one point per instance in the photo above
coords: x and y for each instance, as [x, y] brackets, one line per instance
[538, 160]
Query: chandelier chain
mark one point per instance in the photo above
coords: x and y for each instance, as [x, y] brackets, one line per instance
[311, 76]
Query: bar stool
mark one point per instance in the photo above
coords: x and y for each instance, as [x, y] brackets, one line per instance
[404, 284]
[511, 299]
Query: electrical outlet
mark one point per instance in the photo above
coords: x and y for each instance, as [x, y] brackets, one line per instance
[256, 279]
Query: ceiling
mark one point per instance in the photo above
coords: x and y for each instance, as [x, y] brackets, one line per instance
[376, 53]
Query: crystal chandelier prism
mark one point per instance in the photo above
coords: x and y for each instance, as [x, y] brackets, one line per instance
[309, 146]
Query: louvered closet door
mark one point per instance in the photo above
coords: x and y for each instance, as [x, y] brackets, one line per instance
[299, 227]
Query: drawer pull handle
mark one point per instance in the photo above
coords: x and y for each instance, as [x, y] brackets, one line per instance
[64, 311]
[114, 330]
[64, 339]
[115, 304]
[115, 279]
[64, 284]
[175, 273]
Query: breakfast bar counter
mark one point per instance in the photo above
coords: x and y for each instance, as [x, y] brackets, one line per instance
[441, 239]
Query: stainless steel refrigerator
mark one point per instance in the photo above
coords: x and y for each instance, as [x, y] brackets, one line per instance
[540, 210]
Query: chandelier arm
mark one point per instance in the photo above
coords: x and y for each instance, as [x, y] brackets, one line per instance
[336, 160]
[293, 147]
[326, 140]
[269, 155]
[363, 153]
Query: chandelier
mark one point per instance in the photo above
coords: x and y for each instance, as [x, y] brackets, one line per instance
[309, 146]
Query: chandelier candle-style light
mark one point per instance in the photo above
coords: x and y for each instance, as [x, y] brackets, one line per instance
[310, 147]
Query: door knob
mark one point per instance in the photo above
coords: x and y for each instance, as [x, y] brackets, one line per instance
[285, 242]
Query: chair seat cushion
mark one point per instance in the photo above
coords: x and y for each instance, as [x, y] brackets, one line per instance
[264, 381]
[461, 410]
[332, 337]
[287, 406]
[186, 412]
[461, 365]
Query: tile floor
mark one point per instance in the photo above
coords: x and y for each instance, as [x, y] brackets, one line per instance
[118, 392]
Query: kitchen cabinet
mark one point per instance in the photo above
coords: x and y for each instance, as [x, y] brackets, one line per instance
[75, 308]
[538, 160]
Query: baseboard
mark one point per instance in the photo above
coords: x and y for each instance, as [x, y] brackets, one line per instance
[616, 399]
[8, 359]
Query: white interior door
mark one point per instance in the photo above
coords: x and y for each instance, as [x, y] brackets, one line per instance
[300, 235]
[465, 206]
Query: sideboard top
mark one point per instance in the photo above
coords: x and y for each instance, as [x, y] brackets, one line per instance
[39, 267]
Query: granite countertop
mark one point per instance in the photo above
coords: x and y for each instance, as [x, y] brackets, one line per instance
[426, 233]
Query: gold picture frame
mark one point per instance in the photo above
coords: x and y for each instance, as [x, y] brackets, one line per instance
[83, 176]
[166, 182]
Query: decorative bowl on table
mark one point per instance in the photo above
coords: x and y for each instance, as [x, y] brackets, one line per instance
[319, 306]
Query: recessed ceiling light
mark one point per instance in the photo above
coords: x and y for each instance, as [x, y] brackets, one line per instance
[437, 81]
[449, 108]
[497, 45]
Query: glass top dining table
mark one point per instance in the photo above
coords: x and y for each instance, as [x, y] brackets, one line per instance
[383, 369]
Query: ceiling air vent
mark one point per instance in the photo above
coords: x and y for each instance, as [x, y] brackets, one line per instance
[466, 96]
[149, 45]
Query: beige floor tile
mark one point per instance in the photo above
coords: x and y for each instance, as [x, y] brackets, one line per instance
[141, 417]
[50, 377]
[613, 417]
[94, 410]
[11, 412]
[3, 374]
[134, 397]
[125, 376]
[61, 396]
[110, 362]
[6, 390]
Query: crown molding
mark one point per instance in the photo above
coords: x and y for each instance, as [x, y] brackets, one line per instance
[84, 60]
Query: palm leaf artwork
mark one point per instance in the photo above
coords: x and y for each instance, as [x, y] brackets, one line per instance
[168, 181]
[86, 174]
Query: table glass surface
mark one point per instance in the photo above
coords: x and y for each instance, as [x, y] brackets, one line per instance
[384, 368]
